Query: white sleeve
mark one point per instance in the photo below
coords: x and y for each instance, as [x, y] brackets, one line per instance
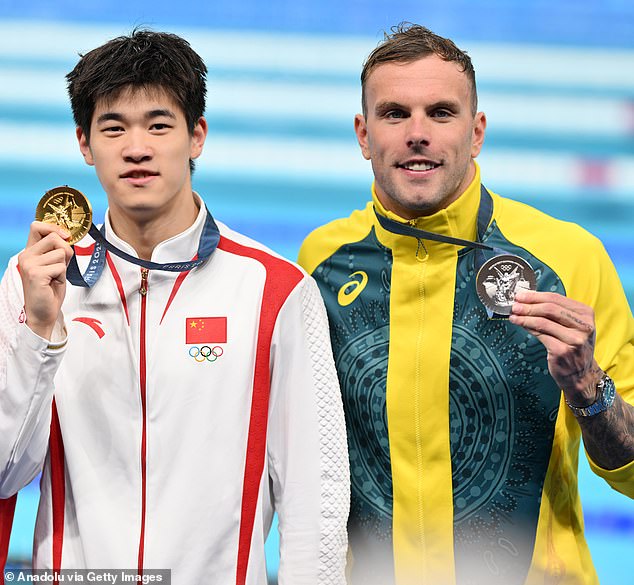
[307, 446]
[27, 367]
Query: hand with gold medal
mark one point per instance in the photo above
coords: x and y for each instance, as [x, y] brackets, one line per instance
[63, 217]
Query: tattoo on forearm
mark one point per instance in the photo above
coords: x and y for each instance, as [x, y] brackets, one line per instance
[609, 436]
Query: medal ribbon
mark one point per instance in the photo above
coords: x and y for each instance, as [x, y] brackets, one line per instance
[485, 212]
[208, 242]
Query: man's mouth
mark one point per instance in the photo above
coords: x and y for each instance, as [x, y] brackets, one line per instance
[138, 174]
[419, 165]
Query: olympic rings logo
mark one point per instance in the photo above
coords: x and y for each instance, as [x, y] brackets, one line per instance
[205, 353]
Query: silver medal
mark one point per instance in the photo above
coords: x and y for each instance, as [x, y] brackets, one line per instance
[500, 278]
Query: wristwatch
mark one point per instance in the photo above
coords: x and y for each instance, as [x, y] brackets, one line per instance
[606, 393]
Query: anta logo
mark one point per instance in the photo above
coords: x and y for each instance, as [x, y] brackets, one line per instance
[94, 324]
[353, 288]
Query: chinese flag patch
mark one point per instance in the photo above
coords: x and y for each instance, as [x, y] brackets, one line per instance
[206, 330]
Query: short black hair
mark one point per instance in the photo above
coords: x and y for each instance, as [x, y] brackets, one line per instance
[143, 60]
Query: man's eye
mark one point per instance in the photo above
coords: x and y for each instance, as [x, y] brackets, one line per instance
[441, 114]
[160, 126]
[395, 114]
[112, 129]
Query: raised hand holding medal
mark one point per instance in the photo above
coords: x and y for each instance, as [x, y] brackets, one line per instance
[43, 262]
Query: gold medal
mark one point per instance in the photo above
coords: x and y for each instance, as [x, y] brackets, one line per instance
[500, 278]
[68, 208]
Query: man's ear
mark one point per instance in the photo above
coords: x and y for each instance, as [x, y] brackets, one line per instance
[84, 146]
[198, 138]
[361, 130]
[479, 129]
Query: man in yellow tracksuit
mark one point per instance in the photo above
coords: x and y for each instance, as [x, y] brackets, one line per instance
[465, 409]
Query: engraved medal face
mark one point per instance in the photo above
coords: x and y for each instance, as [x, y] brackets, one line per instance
[500, 278]
[67, 208]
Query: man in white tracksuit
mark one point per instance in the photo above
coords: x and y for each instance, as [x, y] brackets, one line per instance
[170, 412]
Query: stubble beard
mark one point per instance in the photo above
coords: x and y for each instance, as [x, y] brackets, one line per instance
[411, 201]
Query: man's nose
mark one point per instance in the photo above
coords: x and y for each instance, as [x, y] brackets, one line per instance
[418, 131]
[137, 147]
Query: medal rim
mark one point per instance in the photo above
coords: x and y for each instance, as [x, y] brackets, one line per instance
[485, 300]
[79, 233]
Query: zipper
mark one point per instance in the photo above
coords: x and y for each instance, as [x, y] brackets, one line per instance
[421, 250]
[143, 290]
[418, 384]
[144, 276]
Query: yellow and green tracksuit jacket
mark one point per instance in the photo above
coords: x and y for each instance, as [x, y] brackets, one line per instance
[463, 454]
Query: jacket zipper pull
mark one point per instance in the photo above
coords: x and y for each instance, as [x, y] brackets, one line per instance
[144, 275]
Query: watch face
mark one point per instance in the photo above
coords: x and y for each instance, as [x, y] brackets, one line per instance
[609, 391]
[500, 278]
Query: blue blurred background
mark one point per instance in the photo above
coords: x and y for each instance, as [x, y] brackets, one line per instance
[555, 78]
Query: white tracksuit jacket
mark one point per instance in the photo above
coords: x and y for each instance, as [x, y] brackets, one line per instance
[163, 454]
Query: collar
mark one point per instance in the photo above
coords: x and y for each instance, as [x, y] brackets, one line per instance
[178, 248]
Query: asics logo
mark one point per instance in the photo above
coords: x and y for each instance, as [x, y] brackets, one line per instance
[352, 289]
